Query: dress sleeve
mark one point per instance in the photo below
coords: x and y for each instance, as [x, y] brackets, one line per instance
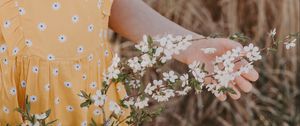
[107, 7]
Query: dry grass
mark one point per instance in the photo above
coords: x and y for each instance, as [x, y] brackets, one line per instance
[275, 99]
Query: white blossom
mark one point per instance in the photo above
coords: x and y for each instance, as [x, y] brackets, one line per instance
[115, 108]
[141, 103]
[143, 45]
[41, 116]
[195, 69]
[185, 80]
[252, 52]
[170, 76]
[135, 83]
[272, 32]
[184, 91]
[209, 50]
[291, 44]
[129, 101]
[113, 71]
[134, 64]
[99, 98]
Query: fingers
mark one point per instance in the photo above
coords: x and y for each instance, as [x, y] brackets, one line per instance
[234, 96]
[237, 94]
[243, 84]
[222, 97]
[252, 75]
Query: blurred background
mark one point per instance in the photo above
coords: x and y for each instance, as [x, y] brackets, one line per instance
[275, 99]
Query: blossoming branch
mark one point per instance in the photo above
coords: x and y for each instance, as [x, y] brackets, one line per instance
[155, 52]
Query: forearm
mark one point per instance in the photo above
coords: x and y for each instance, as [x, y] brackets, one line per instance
[133, 18]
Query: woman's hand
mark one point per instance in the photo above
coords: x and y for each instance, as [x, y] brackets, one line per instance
[194, 53]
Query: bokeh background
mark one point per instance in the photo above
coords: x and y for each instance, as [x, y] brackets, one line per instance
[275, 99]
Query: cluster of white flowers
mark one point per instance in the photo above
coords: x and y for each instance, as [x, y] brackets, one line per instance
[290, 44]
[224, 72]
[209, 50]
[113, 70]
[170, 76]
[272, 33]
[158, 91]
[41, 116]
[161, 49]
[135, 84]
[184, 84]
[115, 108]
[196, 70]
[252, 52]
[99, 98]
[138, 65]
[170, 45]
[140, 103]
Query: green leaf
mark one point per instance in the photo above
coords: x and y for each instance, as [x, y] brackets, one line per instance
[240, 37]
[150, 40]
[49, 123]
[48, 112]
[93, 123]
[20, 110]
[272, 49]
[84, 93]
[87, 103]
[227, 89]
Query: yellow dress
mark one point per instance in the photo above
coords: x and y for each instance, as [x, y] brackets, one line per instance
[50, 50]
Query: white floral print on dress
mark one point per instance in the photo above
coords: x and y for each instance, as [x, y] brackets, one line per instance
[5, 61]
[42, 26]
[28, 42]
[75, 19]
[55, 71]
[93, 85]
[80, 49]
[56, 6]
[57, 100]
[77, 67]
[68, 84]
[84, 76]
[21, 11]
[62, 38]
[97, 112]
[12, 91]
[91, 28]
[47, 87]
[35, 69]
[23, 83]
[90, 57]
[50, 57]
[70, 108]
[5, 109]
[33, 98]
[7, 24]
[3, 48]
[15, 51]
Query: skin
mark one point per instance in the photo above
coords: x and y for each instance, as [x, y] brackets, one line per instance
[133, 18]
